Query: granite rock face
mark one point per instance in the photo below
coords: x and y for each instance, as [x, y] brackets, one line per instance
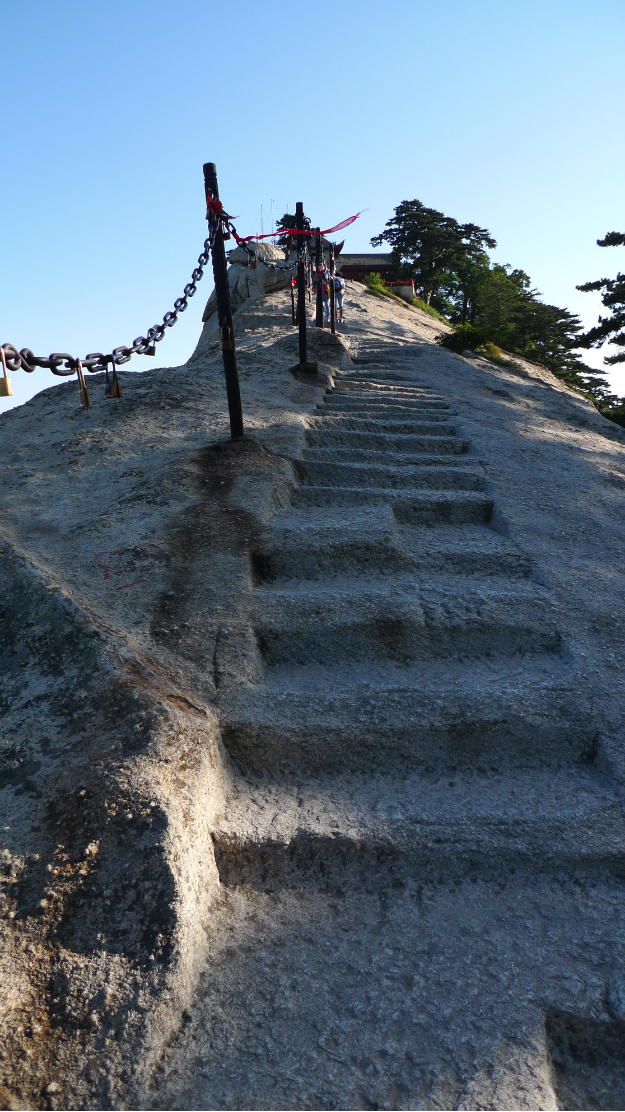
[312, 750]
[249, 278]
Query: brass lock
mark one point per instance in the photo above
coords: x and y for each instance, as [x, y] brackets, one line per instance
[5, 381]
[112, 386]
[84, 393]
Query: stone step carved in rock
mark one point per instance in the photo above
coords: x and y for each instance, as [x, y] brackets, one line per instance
[378, 441]
[437, 476]
[376, 424]
[398, 832]
[398, 620]
[428, 715]
[423, 507]
[319, 543]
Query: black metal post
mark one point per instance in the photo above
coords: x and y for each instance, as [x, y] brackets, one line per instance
[293, 318]
[224, 311]
[318, 258]
[301, 283]
[331, 284]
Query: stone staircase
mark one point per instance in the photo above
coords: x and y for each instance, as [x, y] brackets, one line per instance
[407, 709]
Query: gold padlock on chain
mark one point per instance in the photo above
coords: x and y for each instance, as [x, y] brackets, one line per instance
[112, 385]
[5, 381]
[84, 393]
[116, 386]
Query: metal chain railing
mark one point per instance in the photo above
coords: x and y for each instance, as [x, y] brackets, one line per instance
[62, 364]
[226, 221]
[259, 259]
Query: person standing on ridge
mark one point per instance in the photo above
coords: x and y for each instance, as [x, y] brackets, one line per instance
[325, 289]
[339, 292]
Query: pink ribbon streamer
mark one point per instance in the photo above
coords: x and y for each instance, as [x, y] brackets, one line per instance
[299, 231]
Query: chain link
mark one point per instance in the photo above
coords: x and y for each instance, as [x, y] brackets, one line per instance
[259, 259]
[253, 254]
[62, 364]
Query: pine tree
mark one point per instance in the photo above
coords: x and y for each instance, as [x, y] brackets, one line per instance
[430, 247]
[610, 328]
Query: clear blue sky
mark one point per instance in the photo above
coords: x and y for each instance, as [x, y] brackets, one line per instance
[506, 114]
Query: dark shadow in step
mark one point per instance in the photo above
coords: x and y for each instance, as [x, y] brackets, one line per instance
[498, 522]
[261, 569]
[588, 1061]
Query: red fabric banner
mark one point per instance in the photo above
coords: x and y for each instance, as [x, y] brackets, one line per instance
[217, 209]
[298, 231]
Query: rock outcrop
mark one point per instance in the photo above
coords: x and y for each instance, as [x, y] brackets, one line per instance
[249, 277]
[312, 749]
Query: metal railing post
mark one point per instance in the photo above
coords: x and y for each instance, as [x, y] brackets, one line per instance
[301, 284]
[224, 311]
[318, 258]
[331, 285]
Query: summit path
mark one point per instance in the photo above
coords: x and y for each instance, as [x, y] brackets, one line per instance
[414, 751]
[312, 754]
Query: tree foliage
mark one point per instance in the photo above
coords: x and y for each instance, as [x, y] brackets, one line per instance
[610, 328]
[289, 243]
[490, 303]
[430, 247]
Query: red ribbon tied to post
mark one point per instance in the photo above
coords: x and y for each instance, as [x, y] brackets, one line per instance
[214, 206]
[298, 231]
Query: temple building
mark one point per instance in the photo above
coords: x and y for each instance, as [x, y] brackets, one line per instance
[356, 267]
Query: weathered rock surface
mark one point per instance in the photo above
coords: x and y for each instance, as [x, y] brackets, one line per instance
[312, 747]
[249, 277]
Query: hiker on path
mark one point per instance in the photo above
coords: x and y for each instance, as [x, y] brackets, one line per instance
[339, 292]
[325, 290]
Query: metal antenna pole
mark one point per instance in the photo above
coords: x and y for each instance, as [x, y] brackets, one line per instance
[224, 311]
